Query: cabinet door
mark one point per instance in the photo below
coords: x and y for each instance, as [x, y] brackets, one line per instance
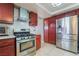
[52, 33]
[6, 12]
[0, 12]
[7, 42]
[77, 12]
[7, 51]
[38, 42]
[33, 19]
[71, 13]
[7, 47]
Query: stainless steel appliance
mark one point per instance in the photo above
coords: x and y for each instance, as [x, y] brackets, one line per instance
[67, 36]
[3, 30]
[24, 15]
[25, 44]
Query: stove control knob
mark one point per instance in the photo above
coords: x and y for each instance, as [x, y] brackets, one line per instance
[23, 38]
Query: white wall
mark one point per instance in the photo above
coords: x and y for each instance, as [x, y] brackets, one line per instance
[40, 28]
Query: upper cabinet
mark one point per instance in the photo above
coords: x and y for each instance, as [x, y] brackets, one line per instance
[6, 12]
[33, 19]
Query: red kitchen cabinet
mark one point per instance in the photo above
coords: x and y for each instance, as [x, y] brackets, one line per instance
[71, 13]
[6, 12]
[50, 30]
[33, 19]
[7, 47]
[7, 51]
[38, 42]
[77, 11]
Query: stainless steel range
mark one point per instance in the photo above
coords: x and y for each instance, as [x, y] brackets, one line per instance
[25, 44]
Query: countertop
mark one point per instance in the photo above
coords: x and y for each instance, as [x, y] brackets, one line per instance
[6, 37]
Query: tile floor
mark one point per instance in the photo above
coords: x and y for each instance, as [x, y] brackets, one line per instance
[51, 50]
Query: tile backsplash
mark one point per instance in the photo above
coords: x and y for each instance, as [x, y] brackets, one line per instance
[16, 26]
[33, 29]
[20, 25]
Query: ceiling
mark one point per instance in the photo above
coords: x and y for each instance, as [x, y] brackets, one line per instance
[45, 10]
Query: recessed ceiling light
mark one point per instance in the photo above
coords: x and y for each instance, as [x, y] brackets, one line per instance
[56, 4]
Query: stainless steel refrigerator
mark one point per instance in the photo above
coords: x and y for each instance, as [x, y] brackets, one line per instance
[67, 33]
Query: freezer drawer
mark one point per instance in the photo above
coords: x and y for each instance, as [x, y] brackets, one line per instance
[70, 37]
[74, 37]
[73, 46]
[70, 45]
[58, 43]
[65, 44]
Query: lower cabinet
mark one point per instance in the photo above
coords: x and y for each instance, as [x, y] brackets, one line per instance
[7, 47]
[38, 42]
[7, 51]
[50, 31]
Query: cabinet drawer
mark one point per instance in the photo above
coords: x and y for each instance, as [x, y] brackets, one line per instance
[6, 42]
[38, 41]
[7, 51]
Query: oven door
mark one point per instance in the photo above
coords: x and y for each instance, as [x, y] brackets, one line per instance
[25, 47]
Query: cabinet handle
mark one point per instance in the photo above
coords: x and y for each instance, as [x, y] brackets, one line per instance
[5, 46]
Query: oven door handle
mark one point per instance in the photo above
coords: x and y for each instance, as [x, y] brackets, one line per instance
[21, 41]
